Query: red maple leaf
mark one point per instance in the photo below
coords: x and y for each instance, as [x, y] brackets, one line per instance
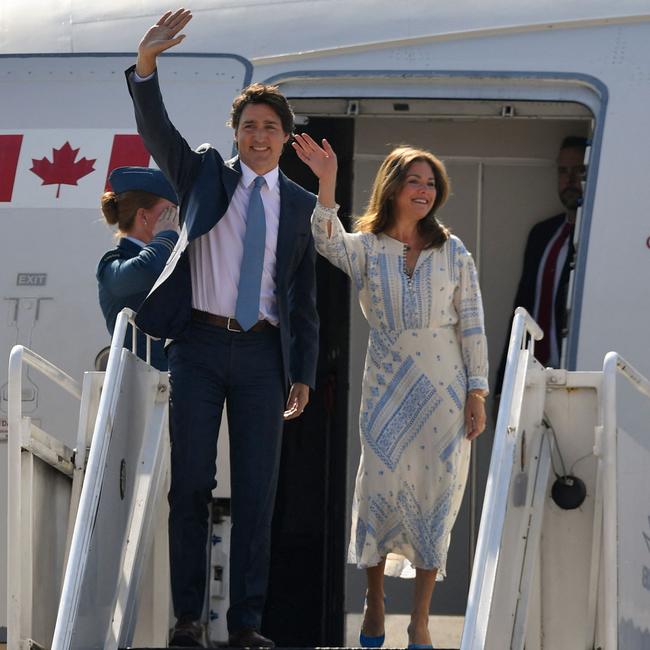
[63, 170]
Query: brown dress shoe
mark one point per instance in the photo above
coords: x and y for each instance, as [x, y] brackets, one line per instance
[249, 638]
[187, 634]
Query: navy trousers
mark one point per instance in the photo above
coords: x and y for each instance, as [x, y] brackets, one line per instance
[207, 366]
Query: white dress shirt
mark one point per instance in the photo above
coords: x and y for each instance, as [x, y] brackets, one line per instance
[215, 258]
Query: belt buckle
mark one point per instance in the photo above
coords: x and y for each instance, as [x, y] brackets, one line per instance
[232, 329]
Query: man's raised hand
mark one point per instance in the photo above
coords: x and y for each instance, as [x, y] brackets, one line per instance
[160, 37]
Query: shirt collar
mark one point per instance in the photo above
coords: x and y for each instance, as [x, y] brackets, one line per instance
[248, 176]
[139, 242]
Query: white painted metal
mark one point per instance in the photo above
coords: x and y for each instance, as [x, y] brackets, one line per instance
[19, 514]
[91, 490]
[336, 26]
[30, 519]
[609, 502]
[479, 602]
[572, 411]
[595, 572]
[150, 469]
[616, 368]
[91, 392]
[532, 530]
[128, 434]
[219, 581]
[547, 580]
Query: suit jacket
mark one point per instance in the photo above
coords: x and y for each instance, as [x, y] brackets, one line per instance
[538, 239]
[125, 276]
[205, 185]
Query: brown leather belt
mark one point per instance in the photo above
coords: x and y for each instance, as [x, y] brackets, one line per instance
[227, 323]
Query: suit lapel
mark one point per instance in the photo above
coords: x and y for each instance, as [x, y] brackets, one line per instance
[285, 227]
[231, 176]
[206, 203]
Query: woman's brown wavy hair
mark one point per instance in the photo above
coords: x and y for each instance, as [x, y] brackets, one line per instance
[389, 181]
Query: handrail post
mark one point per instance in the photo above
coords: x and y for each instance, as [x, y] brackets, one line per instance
[613, 365]
[609, 500]
[14, 505]
[19, 357]
[90, 493]
[493, 513]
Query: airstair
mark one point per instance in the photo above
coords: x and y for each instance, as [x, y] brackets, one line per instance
[564, 544]
[563, 550]
[81, 523]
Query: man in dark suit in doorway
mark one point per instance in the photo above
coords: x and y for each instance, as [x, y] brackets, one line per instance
[544, 281]
[238, 299]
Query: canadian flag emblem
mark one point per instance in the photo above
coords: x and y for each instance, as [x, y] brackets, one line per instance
[52, 168]
[62, 169]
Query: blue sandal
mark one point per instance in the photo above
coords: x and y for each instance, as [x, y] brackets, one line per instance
[371, 641]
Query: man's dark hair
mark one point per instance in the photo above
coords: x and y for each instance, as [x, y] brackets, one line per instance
[574, 142]
[258, 93]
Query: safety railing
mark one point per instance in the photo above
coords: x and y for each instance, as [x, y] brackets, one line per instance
[91, 492]
[520, 348]
[615, 367]
[22, 434]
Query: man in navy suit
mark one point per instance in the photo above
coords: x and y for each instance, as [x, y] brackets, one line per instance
[544, 281]
[214, 358]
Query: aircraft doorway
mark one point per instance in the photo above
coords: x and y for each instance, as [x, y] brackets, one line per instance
[503, 175]
[501, 160]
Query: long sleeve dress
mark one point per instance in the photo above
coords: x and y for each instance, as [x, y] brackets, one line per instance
[426, 350]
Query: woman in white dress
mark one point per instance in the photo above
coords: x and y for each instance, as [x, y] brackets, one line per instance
[425, 375]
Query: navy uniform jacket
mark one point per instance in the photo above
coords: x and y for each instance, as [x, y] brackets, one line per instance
[125, 276]
[205, 185]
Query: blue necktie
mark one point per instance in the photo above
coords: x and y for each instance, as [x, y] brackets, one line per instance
[250, 275]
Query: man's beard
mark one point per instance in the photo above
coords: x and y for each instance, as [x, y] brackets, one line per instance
[571, 198]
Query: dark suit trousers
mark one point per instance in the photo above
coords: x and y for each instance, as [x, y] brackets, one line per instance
[207, 366]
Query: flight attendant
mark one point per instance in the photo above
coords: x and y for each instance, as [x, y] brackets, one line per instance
[142, 204]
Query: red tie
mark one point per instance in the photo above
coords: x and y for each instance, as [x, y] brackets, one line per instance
[546, 302]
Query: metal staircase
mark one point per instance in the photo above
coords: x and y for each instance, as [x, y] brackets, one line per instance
[561, 554]
[563, 549]
[80, 522]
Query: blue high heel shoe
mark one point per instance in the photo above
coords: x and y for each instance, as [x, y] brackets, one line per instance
[371, 641]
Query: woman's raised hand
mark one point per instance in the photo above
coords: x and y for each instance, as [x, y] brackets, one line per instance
[160, 37]
[321, 160]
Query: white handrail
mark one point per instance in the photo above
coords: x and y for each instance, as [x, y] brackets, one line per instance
[494, 504]
[92, 486]
[613, 365]
[18, 357]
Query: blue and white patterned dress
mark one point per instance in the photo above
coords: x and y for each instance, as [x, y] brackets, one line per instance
[426, 349]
